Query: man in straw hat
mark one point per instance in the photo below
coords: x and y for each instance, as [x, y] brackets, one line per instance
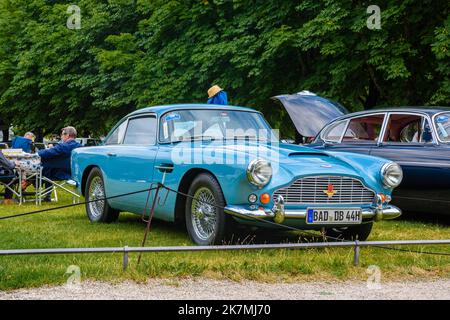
[216, 95]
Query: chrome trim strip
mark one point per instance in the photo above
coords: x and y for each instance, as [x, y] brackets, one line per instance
[387, 213]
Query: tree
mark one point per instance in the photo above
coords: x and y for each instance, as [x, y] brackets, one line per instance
[131, 54]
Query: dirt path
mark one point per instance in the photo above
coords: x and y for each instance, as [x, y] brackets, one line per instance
[198, 289]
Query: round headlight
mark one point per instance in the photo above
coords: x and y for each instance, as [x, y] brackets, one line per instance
[259, 172]
[392, 175]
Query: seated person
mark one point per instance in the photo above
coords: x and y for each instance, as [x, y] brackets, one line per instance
[6, 168]
[56, 161]
[25, 143]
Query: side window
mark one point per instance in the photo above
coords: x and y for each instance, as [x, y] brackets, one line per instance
[407, 128]
[117, 136]
[141, 131]
[364, 129]
[334, 132]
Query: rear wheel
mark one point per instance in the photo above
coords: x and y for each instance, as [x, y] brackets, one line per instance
[206, 222]
[98, 211]
[360, 232]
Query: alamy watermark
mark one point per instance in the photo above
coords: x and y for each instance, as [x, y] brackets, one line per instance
[74, 280]
[374, 20]
[236, 147]
[374, 279]
[74, 20]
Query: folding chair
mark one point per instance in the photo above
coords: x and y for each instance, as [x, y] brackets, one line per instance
[11, 181]
[53, 186]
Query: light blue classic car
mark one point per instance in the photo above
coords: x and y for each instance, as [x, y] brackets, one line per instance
[234, 169]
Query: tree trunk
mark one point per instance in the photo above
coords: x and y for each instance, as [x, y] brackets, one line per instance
[372, 97]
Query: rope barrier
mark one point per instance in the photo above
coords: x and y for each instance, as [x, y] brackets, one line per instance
[74, 204]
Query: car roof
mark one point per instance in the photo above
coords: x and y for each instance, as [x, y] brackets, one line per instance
[173, 107]
[427, 110]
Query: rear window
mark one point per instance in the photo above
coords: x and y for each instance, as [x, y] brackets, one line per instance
[442, 122]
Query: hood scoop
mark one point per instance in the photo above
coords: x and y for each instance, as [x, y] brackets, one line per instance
[302, 154]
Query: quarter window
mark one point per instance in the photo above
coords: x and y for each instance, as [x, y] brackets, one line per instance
[364, 129]
[334, 132]
[116, 136]
[141, 131]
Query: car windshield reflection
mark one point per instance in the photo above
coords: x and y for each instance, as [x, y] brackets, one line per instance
[442, 122]
[195, 125]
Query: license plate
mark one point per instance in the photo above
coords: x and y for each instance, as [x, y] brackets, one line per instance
[333, 216]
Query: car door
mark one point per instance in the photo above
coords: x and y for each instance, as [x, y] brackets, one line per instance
[409, 141]
[131, 162]
[358, 134]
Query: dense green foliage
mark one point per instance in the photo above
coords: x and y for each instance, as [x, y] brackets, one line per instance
[130, 54]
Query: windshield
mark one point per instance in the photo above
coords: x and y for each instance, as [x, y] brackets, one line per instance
[190, 125]
[442, 122]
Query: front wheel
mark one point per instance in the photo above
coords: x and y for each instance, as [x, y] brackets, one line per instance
[206, 222]
[98, 210]
[360, 232]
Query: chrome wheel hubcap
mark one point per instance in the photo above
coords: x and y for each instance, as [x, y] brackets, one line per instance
[203, 213]
[96, 191]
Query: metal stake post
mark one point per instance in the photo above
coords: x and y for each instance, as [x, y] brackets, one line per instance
[147, 229]
[125, 258]
[356, 256]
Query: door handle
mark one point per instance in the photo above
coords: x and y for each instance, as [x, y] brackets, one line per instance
[165, 167]
[110, 154]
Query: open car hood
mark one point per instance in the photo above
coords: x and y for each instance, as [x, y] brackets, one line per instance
[310, 112]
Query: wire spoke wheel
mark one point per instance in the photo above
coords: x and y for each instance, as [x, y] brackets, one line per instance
[96, 191]
[204, 213]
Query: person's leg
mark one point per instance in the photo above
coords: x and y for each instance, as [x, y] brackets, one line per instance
[8, 195]
[47, 186]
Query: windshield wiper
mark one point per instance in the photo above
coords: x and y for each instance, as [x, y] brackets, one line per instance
[194, 138]
[246, 137]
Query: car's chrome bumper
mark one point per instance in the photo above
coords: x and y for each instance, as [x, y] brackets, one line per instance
[279, 214]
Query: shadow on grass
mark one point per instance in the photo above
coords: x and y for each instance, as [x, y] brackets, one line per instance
[437, 219]
[242, 235]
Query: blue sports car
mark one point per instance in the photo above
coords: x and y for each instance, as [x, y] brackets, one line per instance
[230, 164]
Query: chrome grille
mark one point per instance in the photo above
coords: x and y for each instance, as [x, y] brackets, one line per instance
[310, 190]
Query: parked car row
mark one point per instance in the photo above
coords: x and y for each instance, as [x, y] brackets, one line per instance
[235, 170]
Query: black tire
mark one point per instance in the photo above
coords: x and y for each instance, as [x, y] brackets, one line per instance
[98, 211]
[217, 226]
[360, 232]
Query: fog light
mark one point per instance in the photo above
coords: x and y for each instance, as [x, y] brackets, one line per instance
[252, 198]
[265, 198]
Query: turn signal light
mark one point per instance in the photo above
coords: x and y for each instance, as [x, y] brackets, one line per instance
[265, 198]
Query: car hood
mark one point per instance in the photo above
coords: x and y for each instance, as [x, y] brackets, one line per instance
[285, 154]
[294, 161]
[310, 112]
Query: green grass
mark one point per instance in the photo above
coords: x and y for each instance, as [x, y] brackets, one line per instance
[71, 228]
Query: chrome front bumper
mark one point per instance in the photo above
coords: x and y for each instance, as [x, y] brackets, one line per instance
[279, 214]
